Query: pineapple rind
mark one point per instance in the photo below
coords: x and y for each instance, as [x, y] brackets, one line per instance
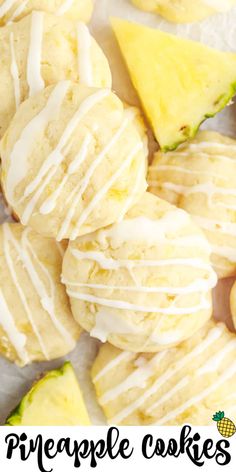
[223, 103]
[15, 417]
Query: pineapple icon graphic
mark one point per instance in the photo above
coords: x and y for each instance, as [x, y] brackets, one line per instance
[225, 426]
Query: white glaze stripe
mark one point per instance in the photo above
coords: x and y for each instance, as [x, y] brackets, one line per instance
[213, 364]
[212, 336]
[84, 55]
[17, 339]
[198, 285]
[15, 72]
[182, 170]
[123, 356]
[213, 225]
[113, 264]
[172, 310]
[19, 289]
[225, 376]
[170, 394]
[82, 186]
[34, 78]
[47, 301]
[18, 10]
[99, 195]
[137, 379]
[49, 205]
[26, 142]
[6, 6]
[55, 158]
[66, 5]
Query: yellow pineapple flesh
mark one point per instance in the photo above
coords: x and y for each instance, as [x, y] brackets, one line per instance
[180, 82]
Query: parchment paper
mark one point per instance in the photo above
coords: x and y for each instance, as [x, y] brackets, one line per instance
[218, 31]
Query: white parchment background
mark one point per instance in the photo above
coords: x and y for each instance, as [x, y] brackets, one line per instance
[218, 31]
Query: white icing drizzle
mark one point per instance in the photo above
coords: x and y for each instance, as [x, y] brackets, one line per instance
[107, 323]
[183, 170]
[65, 6]
[123, 356]
[216, 225]
[198, 285]
[113, 264]
[77, 193]
[15, 72]
[47, 301]
[6, 239]
[138, 379]
[18, 10]
[99, 195]
[210, 145]
[204, 155]
[6, 6]
[34, 78]
[208, 188]
[55, 158]
[17, 339]
[26, 142]
[226, 252]
[214, 363]
[225, 376]
[214, 334]
[172, 310]
[145, 229]
[84, 55]
[49, 205]
[179, 386]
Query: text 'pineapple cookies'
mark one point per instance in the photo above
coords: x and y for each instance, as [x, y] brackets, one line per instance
[73, 160]
[185, 384]
[15, 10]
[144, 283]
[36, 323]
[40, 50]
[185, 11]
[200, 178]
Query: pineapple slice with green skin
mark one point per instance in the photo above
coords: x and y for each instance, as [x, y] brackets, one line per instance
[55, 400]
[180, 82]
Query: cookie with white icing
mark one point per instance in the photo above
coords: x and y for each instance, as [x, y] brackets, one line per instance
[36, 323]
[185, 11]
[73, 160]
[185, 384]
[15, 10]
[200, 177]
[144, 283]
[40, 50]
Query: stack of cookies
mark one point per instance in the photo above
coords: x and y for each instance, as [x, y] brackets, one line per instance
[90, 247]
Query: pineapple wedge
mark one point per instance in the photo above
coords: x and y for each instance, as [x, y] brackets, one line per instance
[180, 82]
[55, 400]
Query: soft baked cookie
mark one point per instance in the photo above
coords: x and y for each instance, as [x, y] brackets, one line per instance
[43, 49]
[73, 160]
[186, 384]
[185, 11]
[15, 10]
[143, 283]
[200, 177]
[36, 323]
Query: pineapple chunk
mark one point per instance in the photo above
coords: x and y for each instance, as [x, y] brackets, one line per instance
[55, 400]
[181, 83]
